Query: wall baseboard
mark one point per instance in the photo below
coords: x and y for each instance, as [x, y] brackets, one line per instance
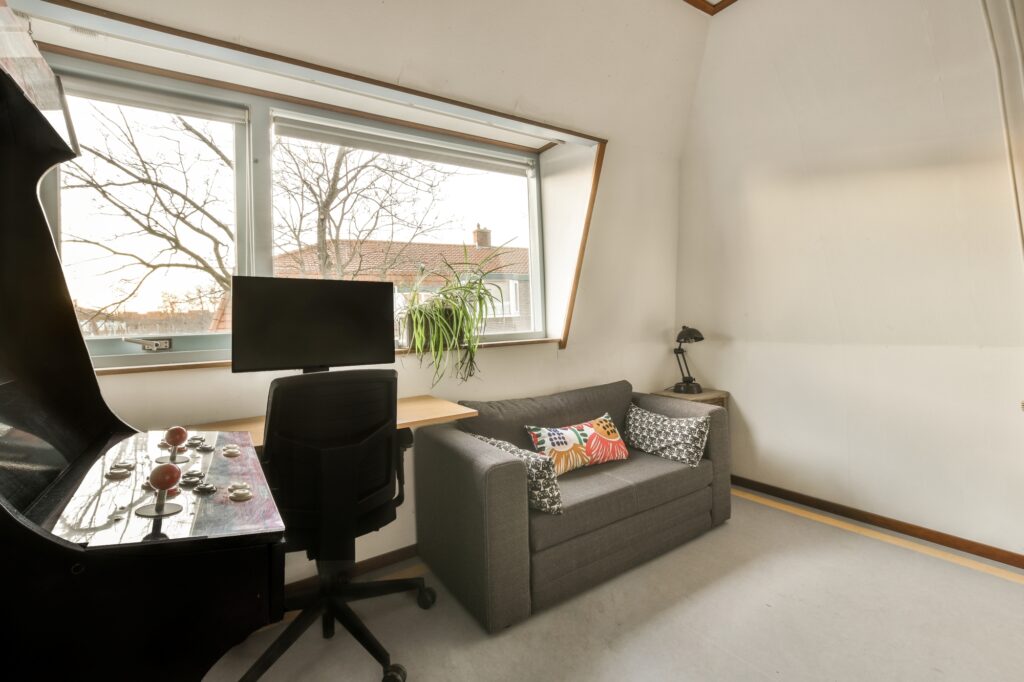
[383, 560]
[311, 584]
[920, 532]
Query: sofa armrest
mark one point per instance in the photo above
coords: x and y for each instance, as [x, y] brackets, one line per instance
[472, 523]
[717, 449]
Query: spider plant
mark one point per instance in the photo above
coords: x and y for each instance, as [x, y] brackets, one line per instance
[446, 324]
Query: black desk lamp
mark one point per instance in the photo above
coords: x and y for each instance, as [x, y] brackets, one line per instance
[688, 384]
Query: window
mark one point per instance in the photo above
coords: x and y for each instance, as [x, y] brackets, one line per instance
[513, 298]
[358, 206]
[508, 310]
[148, 241]
[173, 195]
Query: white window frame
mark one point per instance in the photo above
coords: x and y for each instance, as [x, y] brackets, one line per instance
[513, 298]
[254, 181]
[508, 306]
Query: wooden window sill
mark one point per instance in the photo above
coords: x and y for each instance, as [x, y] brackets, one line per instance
[215, 364]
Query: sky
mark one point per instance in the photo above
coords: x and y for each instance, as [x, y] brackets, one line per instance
[495, 200]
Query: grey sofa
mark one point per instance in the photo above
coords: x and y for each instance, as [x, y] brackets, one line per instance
[502, 560]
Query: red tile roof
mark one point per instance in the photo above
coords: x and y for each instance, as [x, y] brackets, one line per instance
[403, 264]
[221, 321]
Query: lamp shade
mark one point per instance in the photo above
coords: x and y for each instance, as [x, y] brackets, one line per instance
[688, 335]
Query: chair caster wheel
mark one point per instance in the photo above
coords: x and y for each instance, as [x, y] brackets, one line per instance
[426, 597]
[394, 673]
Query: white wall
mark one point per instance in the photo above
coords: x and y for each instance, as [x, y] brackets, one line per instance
[566, 182]
[849, 248]
[622, 71]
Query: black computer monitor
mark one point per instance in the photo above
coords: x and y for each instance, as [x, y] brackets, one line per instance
[310, 324]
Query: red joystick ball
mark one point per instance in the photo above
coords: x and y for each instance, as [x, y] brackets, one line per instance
[175, 436]
[165, 476]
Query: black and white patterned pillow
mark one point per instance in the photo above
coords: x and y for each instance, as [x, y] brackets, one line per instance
[680, 439]
[542, 491]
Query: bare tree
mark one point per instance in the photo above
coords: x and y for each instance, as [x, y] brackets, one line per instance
[165, 184]
[339, 199]
[199, 299]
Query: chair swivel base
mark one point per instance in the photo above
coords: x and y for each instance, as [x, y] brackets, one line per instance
[330, 605]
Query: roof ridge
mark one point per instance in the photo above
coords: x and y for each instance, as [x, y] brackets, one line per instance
[419, 244]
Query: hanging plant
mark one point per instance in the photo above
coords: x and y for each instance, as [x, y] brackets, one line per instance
[447, 323]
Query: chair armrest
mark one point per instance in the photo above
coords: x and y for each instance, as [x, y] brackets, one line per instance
[718, 448]
[472, 523]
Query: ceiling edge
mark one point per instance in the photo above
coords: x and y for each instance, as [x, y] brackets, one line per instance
[707, 7]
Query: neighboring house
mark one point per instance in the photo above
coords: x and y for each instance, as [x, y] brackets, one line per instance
[403, 264]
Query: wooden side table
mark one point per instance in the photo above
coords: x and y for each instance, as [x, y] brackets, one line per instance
[710, 395]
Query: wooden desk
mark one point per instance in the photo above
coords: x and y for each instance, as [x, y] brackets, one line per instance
[710, 395]
[420, 410]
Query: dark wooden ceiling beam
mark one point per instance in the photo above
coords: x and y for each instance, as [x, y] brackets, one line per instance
[706, 6]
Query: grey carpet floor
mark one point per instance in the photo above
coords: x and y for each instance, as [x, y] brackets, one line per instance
[769, 595]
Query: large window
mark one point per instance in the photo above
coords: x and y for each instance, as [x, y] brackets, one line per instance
[172, 195]
[350, 207]
[148, 236]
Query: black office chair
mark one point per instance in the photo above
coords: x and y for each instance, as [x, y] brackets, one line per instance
[333, 457]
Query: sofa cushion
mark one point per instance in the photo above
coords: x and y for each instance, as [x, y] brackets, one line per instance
[595, 497]
[561, 569]
[659, 480]
[506, 419]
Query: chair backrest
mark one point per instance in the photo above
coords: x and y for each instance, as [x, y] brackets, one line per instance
[332, 454]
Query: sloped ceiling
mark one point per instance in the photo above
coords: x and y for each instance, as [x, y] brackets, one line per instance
[710, 6]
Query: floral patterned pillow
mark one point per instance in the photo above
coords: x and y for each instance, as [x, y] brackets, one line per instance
[594, 442]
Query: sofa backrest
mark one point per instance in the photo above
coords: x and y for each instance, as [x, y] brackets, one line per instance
[505, 419]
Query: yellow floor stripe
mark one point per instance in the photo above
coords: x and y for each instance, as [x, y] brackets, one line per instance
[884, 537]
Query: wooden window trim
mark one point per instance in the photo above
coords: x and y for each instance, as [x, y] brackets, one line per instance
[702, 5]
[563, 341]
[141, 23]
[219, 364]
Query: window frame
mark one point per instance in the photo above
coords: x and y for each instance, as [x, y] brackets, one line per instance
[254, 140]
[509, 305]
[513, 298]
